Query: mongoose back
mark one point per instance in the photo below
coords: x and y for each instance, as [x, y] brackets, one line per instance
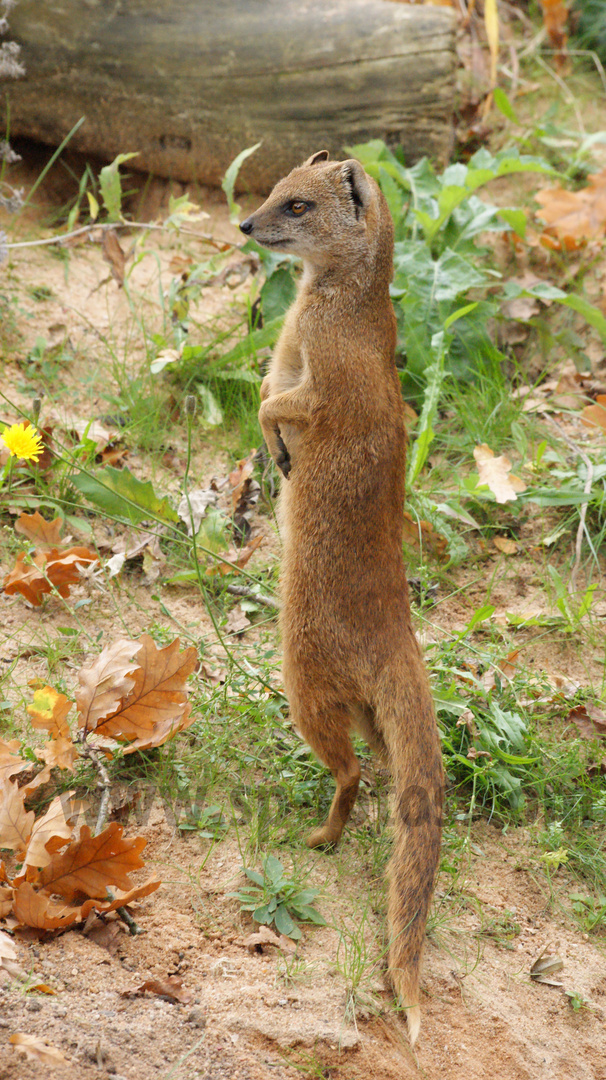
[333, 419]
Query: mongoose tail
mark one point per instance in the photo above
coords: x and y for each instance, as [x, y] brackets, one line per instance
[413, 745]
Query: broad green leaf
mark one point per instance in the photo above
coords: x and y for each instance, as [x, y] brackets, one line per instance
[121, 495]
[273, 869]
[210, 412]
[264, 338]
[479, 616]
[229, 180]
[277, 294]
[255, 876]
[111, 186]
[285, 925]
[504, 105]
[262, 914]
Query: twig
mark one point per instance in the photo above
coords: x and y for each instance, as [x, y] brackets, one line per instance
[103, 783]
[583, 512]
[260, 598]
[119, 225]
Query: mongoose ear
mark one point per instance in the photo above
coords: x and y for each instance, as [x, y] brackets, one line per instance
[356, 179]
[315, 159]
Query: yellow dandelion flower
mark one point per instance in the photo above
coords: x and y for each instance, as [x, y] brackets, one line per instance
[23, 441]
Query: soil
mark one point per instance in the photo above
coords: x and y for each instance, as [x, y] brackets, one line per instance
[253, 1015]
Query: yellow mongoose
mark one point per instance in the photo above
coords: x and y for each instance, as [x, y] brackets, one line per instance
[333, 419]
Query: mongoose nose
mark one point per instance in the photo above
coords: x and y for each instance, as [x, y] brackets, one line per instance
[247, 226]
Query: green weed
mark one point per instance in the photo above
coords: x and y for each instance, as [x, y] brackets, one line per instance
[275, 898]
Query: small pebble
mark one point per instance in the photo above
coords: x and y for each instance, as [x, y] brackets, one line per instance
[34, 1006]
[197, 1018]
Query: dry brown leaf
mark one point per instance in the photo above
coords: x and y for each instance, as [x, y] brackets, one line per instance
[121, 899]
[59, 753]
[49, 711]
[237, 622]
[235, 559]
[113, 454]
[104, 934]
[505, 544]
[6, 901]
[41, 778]
[47, 569]
[9, 960]
[90, 864]
[36, 909]
[546, 964]
[44, 534]
[421, 534]
[52, 831]
[114, 255]
[590, 721]
[40, 988]
[239, 476]
[496, 473]
[35, 1049]
[595, 415]
[16, 823]
[10, 761]
[264, 936]
[8, 949]
[573, 217]
[171, 987]
[106, 682]
[157, 703]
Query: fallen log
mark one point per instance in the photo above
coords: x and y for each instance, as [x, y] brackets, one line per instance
[189, 85]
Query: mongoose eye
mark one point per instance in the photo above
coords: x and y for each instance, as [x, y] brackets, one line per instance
[298, 208]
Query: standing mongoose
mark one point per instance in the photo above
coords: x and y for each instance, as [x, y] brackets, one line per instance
[333, 419]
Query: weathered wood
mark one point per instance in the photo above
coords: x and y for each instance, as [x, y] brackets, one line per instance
[191, 84]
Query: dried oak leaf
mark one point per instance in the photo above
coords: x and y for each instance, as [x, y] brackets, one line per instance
[121, 899]
[6, 901]
[156, 706]
[90, 864]
[106, 682]
[505, 544]
[421, 534]
[51, 832]
[589, 720]
[47, 569]
[171, 987]
[44, 534]
[10, 761]
[16, 823]
[496, 473]
[264, 936]
[573, 217]
[238, 478]
[59, 754]
[37, 1050]
[49, 711]
[36, 909]
[235, 560]
[114, 255]
[595, 415]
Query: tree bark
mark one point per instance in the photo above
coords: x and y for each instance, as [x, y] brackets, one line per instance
[189, 85]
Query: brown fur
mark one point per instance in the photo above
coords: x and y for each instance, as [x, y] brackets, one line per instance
[333, 419]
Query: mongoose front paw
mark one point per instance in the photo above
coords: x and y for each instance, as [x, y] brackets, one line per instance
[283, 459]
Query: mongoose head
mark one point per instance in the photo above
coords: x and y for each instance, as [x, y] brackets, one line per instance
[325, 212]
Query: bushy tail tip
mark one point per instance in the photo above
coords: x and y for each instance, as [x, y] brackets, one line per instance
[413, 1018]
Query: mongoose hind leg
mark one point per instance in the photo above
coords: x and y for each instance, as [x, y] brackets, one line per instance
[327, 732]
